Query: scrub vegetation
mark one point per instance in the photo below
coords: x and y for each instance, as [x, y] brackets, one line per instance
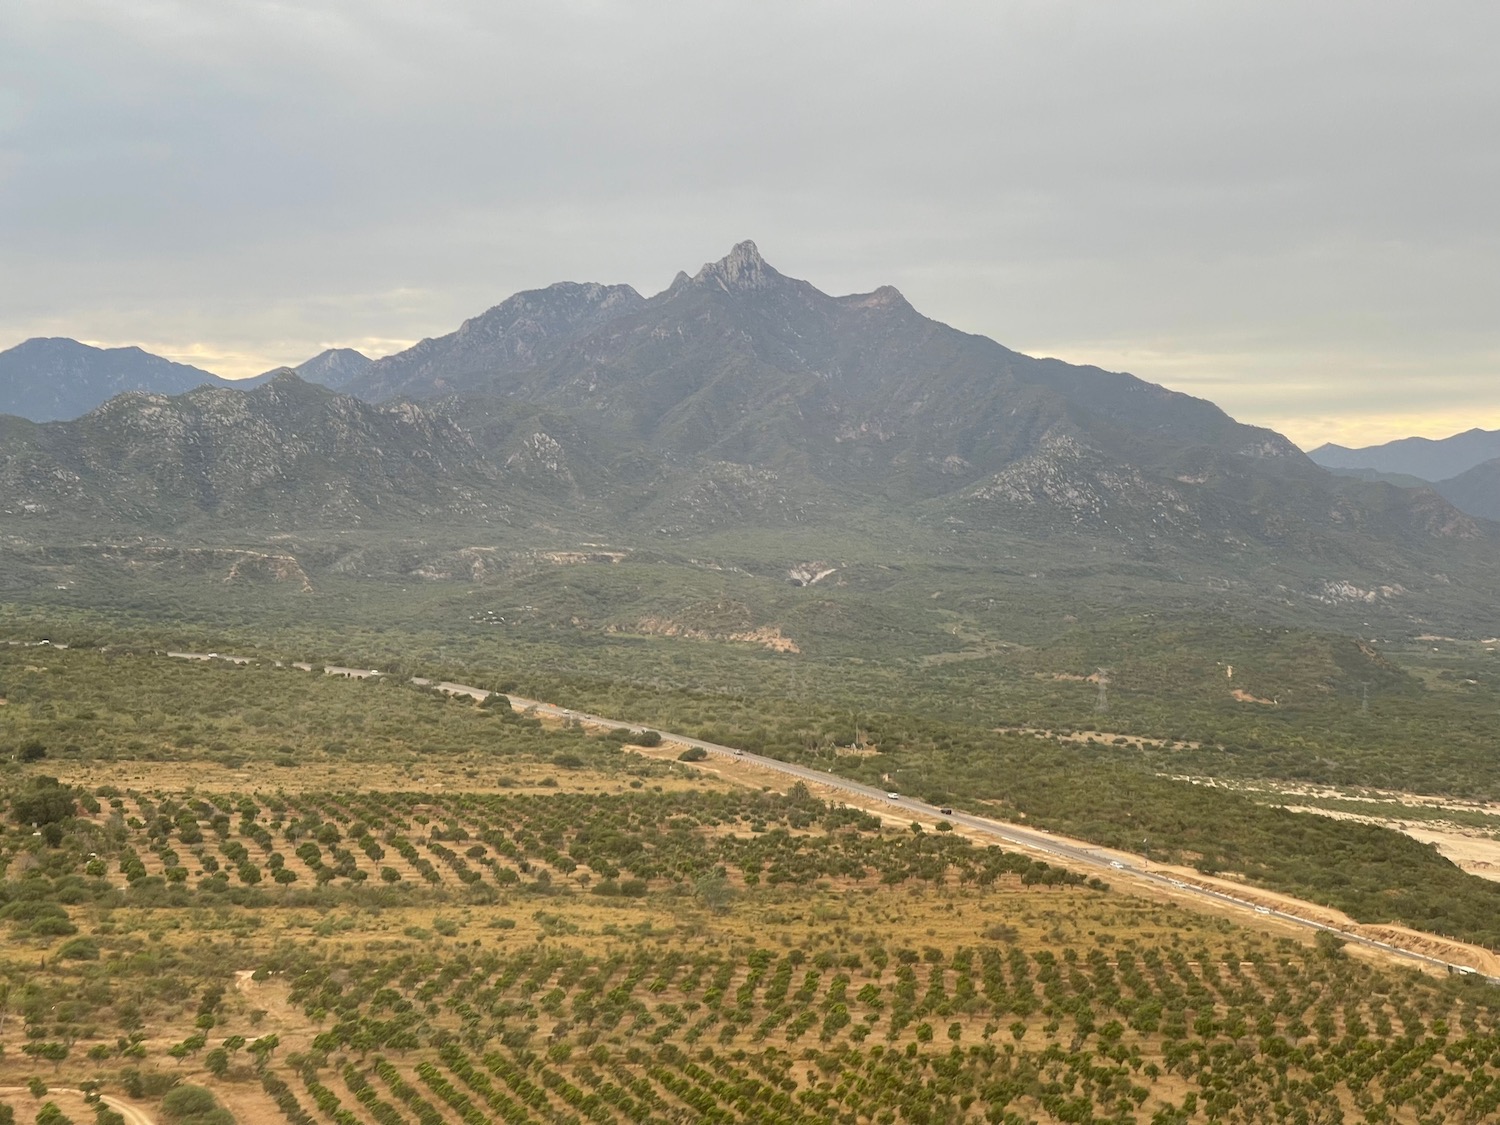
[253, 892]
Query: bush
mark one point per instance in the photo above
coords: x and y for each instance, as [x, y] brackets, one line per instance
[693, 754]
[79, 949]
[43, 802]
[193, 1105]
[648, 738]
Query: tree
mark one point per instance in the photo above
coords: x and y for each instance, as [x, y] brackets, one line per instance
[262, 1049]
[1329, 945]
[44, 801]
[54, 1053]
[186, 1101]
[217, 1062]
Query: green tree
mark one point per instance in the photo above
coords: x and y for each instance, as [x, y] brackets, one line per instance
[44, 801]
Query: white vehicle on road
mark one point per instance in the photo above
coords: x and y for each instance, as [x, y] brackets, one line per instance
[893, 796]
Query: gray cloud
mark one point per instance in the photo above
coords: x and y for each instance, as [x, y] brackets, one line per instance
[1285, 207]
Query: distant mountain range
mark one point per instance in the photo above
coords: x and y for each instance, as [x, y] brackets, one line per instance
[48, 379]
[1426, 459]
[736, 399]
[1464, 468]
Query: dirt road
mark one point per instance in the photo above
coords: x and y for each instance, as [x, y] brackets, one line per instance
[65, 1094]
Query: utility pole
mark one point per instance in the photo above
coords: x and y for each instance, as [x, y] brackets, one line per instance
[1364, 701]
[1101, 701]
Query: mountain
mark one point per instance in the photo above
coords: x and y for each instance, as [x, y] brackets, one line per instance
[1476, 491]
[742, 364]
[1425, 458]
[515, 335]
[45, 379]
[1400, 480]
[332, 368]
[285, 454]
[742, 402]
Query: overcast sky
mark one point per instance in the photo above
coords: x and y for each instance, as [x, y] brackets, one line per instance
[1289, 208]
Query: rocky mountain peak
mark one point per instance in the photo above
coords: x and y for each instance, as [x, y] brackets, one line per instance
[886, 297]
[742, 268]
[334, 367]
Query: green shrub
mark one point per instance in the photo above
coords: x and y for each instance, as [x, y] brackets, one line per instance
[79, 949]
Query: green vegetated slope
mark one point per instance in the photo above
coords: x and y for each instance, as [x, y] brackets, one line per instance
[551, 928]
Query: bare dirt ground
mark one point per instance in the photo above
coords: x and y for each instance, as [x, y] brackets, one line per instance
[1136, 740]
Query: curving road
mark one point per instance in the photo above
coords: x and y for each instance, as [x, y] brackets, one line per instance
[132, 1115]
[1014, 834]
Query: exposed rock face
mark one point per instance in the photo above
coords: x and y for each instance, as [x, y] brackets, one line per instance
[287, 454]
[741, 269]
[1065, 481]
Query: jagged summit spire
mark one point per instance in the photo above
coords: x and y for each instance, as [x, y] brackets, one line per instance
[741, 268]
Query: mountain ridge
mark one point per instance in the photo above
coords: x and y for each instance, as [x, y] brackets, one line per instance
[739, 400]
[49, 378]
[1429, 459]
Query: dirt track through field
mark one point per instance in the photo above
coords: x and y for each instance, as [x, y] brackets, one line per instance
[69, 1099]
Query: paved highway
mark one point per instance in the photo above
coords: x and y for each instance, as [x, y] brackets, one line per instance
[1013, 834]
